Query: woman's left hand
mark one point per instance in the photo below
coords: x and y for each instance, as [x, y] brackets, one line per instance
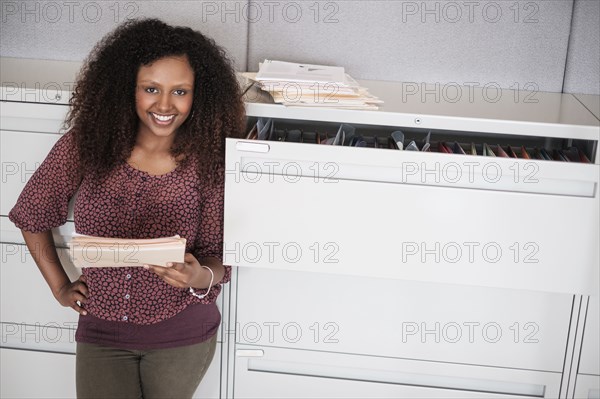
[180, 275]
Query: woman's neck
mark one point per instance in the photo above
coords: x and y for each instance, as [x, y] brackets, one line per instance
[152, 144]
[152, 154]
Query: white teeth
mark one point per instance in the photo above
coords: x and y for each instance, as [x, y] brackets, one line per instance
[163, 118]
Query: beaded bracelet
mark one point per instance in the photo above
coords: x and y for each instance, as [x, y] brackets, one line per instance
[212, 278]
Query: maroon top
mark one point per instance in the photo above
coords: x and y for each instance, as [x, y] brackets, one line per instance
[126, 302]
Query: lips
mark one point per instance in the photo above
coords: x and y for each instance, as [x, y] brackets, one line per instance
[162, 120]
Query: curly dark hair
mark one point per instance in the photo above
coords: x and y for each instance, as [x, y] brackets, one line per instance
[103, 119]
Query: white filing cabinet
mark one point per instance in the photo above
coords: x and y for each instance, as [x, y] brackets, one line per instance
[386, 273]
[350, 282]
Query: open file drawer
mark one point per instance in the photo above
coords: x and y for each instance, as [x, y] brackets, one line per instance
[498, 222]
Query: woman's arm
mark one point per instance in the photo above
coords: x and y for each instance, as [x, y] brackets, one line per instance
[216, 266]
[67, 293]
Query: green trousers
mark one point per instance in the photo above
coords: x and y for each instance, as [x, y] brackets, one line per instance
[104, 372]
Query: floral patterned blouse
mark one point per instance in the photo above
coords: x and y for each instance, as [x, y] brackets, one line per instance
[130, 306]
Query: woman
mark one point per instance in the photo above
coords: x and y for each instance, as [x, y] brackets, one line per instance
[144, 150]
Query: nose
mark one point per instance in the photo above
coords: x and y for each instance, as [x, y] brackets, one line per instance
[164, 102]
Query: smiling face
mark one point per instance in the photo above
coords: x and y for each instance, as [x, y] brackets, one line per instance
[164, 96]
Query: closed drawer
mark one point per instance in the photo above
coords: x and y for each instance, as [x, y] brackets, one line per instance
[590, 350]
[12, 235]
[50, 337]
[284, 373]
[32, 117]
[389, 214]
[393, 318]
[32, 374]
[22, 153]
[26, 298]
[587, 387]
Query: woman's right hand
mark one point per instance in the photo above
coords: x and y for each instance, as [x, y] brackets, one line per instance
[73, 295]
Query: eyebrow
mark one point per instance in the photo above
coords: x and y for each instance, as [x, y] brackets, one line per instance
[152, 82]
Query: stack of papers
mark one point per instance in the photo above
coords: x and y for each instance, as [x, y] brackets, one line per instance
[305, 85]
[89, 251]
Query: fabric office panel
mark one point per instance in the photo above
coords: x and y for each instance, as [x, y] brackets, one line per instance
[583, 68]
[68, 30]
[498, 43]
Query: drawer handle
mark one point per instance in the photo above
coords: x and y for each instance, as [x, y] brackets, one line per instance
[398, 378]
[412, 173]
[252, 147]
[249, 353]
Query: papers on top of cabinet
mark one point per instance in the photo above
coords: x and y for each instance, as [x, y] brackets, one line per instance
[89, 251]
[307, 85]
[291, 72]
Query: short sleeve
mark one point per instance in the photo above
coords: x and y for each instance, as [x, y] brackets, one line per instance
[44, 202]
[210, 240]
